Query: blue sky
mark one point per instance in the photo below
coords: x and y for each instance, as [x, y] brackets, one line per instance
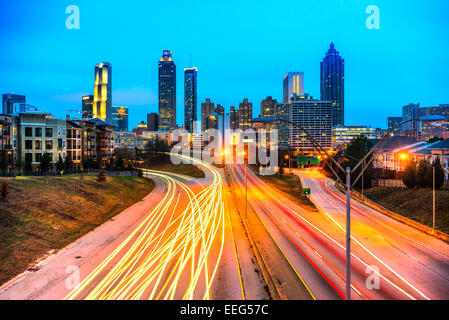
[241, 49]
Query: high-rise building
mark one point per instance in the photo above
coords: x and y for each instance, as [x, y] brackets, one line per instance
[233, 118]
[315, 117]
[190, 99]
[267, 106]
[152, 121]
[333, 84]
[245, 114]
[167, 92]
[393, 122]
[87, 107]
[9, 100]
[120, 118]
[428, 130]
[102, 107]
[219, 109]
[281, 111]
[411, 128]
[207, 108]
[293, 84]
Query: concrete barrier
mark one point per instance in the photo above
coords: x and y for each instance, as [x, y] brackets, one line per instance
[373, 205]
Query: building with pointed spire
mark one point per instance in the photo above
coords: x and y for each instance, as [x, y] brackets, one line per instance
[332, 78]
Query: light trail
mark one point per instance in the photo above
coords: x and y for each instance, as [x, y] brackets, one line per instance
[173, 254]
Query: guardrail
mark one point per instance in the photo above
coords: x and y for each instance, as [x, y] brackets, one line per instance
[373, 205]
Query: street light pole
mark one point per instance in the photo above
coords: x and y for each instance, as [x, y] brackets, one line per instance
[348, 233]
[246, 195]
[434, 196]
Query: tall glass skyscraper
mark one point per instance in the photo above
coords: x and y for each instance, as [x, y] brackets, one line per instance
[333, 84]
[190, 100]
[167, 92]
[102, 107]
[293, 84]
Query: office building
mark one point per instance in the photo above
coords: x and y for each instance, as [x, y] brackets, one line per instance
[281, 111]
[190, 99]
[245, 114]
[102, 106]
[267, 106]
[87, 105]
[234, 118]
[411, 128]
[343, 135]
[152, 121]
[10, 102]
[207, 108]
[167, 92]
[120, 118]
[332, 78]
[393, 122]
[315, 117]
[293, 84]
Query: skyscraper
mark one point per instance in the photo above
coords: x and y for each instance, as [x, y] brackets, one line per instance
[245, 114]
[315, 117]
[9, 100]
[167, 92]
[333, 84]
[152, 121]
[410, 112]
[281, 111]
[293, 84]
[190, 99]
[102, 107]
[207, 108]
[234, 118]
[120, 118]
[267, 106]
[393, 122]
[87, 107]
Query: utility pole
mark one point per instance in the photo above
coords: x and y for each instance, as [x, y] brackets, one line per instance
[434, 196]
[348, 233]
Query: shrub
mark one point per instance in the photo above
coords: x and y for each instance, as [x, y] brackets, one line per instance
[409, 175]
[102, 176]
[5, 188]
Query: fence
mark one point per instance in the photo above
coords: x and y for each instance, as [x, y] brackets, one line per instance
[373, 205]
[111, 173]
[394, 183]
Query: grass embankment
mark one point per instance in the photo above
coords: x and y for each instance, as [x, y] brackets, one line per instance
[415, 204]
[40, 215]
[184, 169]
[291, 186]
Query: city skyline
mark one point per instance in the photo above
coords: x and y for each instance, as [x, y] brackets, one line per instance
[378, 73]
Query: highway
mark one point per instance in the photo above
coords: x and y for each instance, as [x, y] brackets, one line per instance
[410, 264]
[178, 246]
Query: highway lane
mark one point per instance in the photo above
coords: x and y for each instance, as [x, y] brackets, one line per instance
[277, 214]
[180, 248]
[414, 261]
[319, 238]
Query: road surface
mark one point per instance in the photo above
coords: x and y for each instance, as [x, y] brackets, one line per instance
[174, 244]
[389, 259]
